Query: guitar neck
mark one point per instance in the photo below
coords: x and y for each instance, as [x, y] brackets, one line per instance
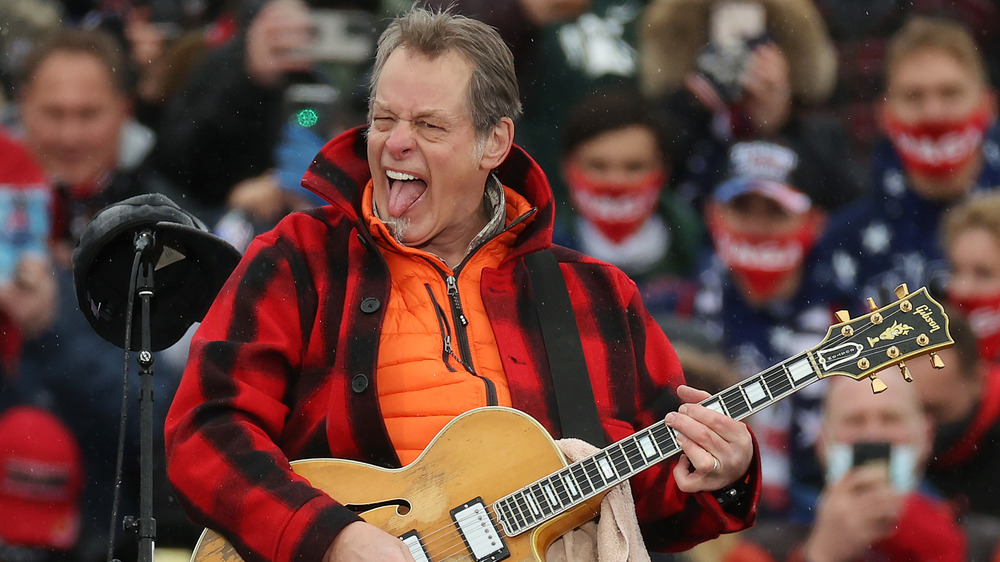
[546, 498]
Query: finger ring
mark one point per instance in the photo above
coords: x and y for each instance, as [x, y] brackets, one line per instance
[716, 466]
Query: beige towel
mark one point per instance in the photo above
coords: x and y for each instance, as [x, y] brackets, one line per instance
[614, 537]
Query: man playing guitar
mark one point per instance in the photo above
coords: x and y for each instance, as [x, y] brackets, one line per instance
[360, 329]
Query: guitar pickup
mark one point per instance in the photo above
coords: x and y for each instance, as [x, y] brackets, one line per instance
[479, 532]
[416, 546]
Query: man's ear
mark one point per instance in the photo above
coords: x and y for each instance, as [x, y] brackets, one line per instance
[498, 144]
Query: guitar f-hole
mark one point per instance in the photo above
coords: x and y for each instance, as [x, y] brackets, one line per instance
[402, 506]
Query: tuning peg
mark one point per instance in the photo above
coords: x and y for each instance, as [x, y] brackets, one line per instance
[842, 315]
[878, 386]
[903, 370]
[901, 291]
[872, 305]
[936, 361]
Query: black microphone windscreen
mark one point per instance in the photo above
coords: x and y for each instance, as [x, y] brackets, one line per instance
[190, 265]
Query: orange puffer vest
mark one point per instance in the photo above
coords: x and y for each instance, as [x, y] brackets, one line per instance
[437, 356]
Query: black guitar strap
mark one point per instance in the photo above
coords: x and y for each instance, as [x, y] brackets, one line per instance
[574, 394]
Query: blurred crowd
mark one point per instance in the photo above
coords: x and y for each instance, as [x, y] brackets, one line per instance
[755, 166]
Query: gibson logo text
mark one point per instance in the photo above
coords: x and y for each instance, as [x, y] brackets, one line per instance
[925, 312]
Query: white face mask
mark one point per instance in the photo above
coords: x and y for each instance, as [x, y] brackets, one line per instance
[901, 461]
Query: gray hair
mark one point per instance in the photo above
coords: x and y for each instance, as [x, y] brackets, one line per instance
[492, 93]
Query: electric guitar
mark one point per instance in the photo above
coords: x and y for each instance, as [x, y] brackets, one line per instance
[454, 504]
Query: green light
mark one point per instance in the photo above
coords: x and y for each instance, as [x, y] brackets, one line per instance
[307, 117]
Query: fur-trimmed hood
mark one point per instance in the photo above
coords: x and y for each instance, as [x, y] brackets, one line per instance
[674, 31]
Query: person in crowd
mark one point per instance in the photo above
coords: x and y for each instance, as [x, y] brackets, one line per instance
[25, 22]
[874, 449]
[617, 168]
[939, 117]
[75, 120]
[564, 50]
[358, 330]
[860, 32]
[41, 485]
[963, 402]
[226, 122]
[753, 303]
[971, 236]
[74, 111]
[730, 71]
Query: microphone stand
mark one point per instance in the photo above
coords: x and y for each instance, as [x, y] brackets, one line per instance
[146, 524]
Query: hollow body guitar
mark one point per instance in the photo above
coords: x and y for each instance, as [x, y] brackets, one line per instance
[493, 484]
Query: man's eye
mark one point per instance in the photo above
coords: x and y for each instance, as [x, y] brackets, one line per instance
[427, 125]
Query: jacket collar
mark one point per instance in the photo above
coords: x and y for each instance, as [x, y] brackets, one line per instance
[340, 171]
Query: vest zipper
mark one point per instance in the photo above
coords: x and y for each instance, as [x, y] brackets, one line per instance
[462, 335]
[464, 351]
[445, 330]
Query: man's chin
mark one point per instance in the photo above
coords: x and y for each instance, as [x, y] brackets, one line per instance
[399, 228]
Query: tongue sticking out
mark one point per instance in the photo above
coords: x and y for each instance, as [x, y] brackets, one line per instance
[402, 194]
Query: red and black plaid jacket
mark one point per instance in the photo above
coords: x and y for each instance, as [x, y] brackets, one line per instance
[282, 368]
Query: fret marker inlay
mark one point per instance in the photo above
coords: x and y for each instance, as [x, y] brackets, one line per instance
[606, 468]
[648, 448]
[755, 392]
[571, 486]
[800, 369]
[715, 405]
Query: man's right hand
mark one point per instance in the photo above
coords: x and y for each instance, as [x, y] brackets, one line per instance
[859, 509]
[362, 542]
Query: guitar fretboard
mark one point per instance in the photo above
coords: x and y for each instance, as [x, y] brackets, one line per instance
[546, 498]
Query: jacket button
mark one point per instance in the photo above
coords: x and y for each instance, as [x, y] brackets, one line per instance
[359, 383]
[370, 305]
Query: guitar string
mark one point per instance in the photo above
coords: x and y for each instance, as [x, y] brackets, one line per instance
[457, 542]
[567, 499]
[430, 539]
[449, 543]
[454, 545]
[838, 337]
[429, 543]
[564, 499]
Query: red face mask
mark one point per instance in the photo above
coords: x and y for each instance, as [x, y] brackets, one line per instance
[938, 149]
[616, 210]
[761, 262]
[983, 314]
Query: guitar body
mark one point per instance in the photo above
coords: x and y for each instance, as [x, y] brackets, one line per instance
[451, 472]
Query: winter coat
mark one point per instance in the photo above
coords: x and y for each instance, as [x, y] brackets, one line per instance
[282, 367]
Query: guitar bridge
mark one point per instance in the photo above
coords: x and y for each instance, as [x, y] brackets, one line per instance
[479, 531]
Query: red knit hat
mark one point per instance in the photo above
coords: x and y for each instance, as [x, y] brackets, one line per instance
[41, 478]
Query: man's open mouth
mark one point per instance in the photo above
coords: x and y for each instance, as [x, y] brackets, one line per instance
[404, 190]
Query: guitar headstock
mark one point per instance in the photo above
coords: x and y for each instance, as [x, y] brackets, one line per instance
[914, 325]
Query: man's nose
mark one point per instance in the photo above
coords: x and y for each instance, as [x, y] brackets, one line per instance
[72, 130]
[400, 140]
[960, 285]
[936, 109]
